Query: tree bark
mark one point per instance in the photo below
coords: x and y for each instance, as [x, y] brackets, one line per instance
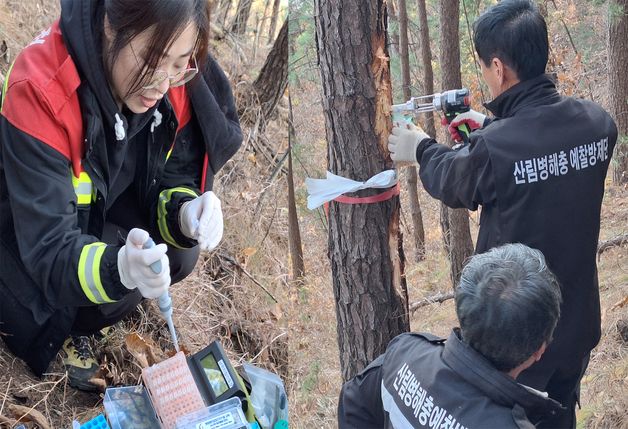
[618, 84]
[272, 80]
[411, 175]
[294, 234]
[365, 247]
[242, 16]
[459, 235]
[273, 21]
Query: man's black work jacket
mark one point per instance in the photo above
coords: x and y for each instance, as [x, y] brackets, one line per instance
[423, 381]
[68, 152]
[538, 171]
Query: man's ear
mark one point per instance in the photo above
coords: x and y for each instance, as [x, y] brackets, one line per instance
[537, 354]
[499, 68]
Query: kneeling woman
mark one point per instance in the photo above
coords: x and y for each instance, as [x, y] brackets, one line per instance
[113, 124]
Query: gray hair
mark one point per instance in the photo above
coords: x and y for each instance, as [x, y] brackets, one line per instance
[508, 304]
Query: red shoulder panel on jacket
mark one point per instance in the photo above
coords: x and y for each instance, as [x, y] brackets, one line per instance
[181, 104]
[41, 98]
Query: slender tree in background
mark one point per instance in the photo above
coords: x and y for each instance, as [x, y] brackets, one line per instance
[265, 18]
[426, 58]
[294, 234]
[222, 11]
[242, 16]
[365, 247]
[272, 80]
[393, 26]
[273, 21]
[455, 222]
[410, 172]
[618, 83]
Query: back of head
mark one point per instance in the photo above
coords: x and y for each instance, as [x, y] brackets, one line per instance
[508, 304]
[515, 32]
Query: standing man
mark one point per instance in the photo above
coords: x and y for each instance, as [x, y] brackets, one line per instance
[537, 169]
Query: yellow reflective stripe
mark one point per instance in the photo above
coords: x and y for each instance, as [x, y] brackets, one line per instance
[164, 198]
[89, 273]
[5, 87]
[82, 188]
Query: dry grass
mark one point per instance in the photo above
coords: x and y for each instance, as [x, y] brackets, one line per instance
[224, 298]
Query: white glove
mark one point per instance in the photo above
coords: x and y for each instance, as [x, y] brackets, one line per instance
[403, 141]
[134, 265]
[201, 219]
[473, 119]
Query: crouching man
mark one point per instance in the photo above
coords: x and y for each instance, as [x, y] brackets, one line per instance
[508, 304]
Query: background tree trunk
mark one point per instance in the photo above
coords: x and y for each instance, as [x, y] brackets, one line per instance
[460, 244]
[365, 247]
[426, 58]
[242, 16]
[294, 234]
[273, 21]
[272, 80]
[618, 83]
[265, 18]
[393, 26]
[222, 11]
[411, 176]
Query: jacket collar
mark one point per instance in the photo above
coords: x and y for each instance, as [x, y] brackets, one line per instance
[502, 389]
[532, 92]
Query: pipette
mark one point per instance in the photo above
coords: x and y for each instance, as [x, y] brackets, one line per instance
[164, 301]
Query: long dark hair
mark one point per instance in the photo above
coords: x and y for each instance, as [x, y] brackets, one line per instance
[128, 18]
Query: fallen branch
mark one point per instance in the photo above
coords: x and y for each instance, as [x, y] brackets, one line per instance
[621, 303]
[235, 263]
[617, 241]
[29, 415]
[441, 297]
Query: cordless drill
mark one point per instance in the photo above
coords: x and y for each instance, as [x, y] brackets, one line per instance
[451, 103]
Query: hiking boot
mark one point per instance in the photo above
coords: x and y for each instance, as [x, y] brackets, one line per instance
[79, 363]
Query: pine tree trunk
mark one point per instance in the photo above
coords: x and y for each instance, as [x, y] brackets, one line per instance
[618, 84]
[273, 21]
[294, 234]
[411, 175]
[242, 17]
[272, 81]
[365, 247]
[460, 244]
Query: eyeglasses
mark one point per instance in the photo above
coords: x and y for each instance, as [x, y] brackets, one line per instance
[159, 76]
